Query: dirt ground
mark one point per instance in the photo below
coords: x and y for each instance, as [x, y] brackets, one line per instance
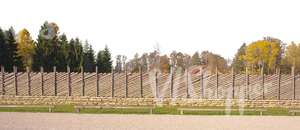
[70, 121]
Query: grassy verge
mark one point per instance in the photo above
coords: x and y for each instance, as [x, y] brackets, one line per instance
[115, 111]
[64, 108]
[25, 109]
[157, 110]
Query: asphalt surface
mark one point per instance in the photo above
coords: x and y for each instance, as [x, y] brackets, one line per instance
[72, 121]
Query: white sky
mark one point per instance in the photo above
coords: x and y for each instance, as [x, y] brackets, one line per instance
[130, 26]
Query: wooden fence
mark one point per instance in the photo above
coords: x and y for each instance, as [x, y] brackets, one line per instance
[150, 85]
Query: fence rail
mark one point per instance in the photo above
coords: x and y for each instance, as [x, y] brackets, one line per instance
[150, 85]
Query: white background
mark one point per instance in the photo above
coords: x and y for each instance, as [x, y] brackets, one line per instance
[130, 26]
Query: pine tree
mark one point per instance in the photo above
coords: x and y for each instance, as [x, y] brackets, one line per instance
[89, 58]
[3, 48]
[61, 53]
[11, 57]
[104, 62]
[43, 56]
[78, 49]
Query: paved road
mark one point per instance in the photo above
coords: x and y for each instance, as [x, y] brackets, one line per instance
[64, 121]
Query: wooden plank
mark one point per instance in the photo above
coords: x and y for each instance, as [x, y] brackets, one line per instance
[172, 82]
[42, 80]
[278, 82]
[233, 78]
[294, 83]
[202, 86]
[247, 83]
[69, 81]
[2, 80]
[97, 82]
[28, 81]
[263, 83]
[187, 83]
[279, 85]
[217, 82]
[112, 83]
[16, 80]
[55, 81]
[141, 82]
[156, 85]
[82, 81]
[126, 83]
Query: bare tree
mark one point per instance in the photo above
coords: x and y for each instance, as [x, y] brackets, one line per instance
[124, 58]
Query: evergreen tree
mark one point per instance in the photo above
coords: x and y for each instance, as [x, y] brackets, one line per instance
[71, 56]
[104, 62]
[74, 55]
[78, 49]
[89, 58]
[49, 49]
[10, 56]
[61, 54]
[45, 49]
[3, 48]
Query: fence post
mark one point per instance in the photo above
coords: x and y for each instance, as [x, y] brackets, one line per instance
[16, 79]
[279, 78]
[69, 81]
[247, 83]
[83, 82]
[172, 82]
[55, 81]
[42, 79]
[187, 83]
[97, 82]
[156, 85]
[263, 83]
[112, 83]
[294, 82]
[141, 81]
[202, 85]
[126, 83]
[217, 82]
[2, 80]
[233, 78]
[28, 81]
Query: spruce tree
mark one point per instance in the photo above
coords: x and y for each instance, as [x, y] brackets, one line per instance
[11, 57]
[3, 50]
[104, 62]
[89, 58]
[43, 56]
[78, 49]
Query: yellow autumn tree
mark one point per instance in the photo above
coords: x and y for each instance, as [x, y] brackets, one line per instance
[292, 55]
[263, 53]
[25, 47]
